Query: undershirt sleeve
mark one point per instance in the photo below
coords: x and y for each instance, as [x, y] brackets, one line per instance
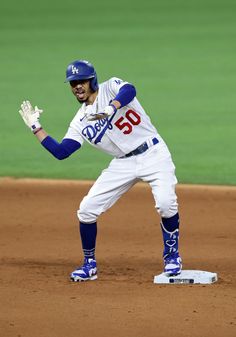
[126, 94]
[60, 150]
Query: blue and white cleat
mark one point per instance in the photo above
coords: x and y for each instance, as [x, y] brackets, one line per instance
[173, 264]
[87, 272]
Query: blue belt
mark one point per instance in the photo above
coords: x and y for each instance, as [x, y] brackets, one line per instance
[142, 148]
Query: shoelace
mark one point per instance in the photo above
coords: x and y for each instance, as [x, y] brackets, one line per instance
[86, 266]
[171, 260]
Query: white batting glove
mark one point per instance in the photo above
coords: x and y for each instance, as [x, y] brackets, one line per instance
[107, 111]
[30, 115]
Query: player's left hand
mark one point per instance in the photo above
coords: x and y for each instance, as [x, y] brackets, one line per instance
[107, 111]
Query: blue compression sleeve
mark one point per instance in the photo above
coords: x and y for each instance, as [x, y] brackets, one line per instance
[126, 94]
[60, 150]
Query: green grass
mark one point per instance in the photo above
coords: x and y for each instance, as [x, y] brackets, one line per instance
[179, 54]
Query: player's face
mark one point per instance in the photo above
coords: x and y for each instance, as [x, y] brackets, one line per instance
[81, 89]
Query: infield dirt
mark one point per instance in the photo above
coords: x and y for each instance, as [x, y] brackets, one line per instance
[40, 246]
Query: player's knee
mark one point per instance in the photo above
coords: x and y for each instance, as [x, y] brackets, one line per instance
[86, 213]
[167, 207]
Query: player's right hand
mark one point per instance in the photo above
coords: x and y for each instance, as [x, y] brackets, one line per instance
[30, 115]
[107, 112]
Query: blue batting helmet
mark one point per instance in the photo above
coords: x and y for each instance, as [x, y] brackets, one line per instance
[82, 70]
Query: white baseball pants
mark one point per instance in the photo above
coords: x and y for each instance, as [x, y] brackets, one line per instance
[154, 166]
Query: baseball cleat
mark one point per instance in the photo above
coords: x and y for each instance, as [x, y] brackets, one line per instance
[87, 272]
[173, 264]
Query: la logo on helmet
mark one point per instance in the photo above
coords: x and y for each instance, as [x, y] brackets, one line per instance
[74, 70]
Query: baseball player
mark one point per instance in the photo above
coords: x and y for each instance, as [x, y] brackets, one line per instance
[112, 119]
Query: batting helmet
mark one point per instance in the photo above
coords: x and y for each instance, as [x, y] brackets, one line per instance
[82, 70]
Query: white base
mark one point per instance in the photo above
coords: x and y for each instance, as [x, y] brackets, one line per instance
[187, 277]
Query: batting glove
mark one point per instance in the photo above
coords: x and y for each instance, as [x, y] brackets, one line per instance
[108, 111]
[30, 115]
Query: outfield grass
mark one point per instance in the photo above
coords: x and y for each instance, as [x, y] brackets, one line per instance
[179, 54]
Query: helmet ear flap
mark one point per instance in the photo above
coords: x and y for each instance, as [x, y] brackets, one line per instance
[94, 83]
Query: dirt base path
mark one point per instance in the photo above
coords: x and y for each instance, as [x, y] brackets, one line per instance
[40, 246]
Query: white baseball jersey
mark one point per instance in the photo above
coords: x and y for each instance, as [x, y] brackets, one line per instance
[118, 134]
